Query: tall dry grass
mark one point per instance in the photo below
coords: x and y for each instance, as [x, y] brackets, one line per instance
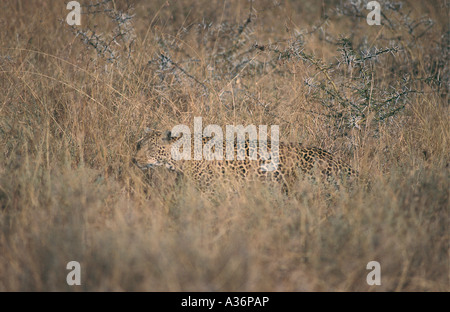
[75, 100]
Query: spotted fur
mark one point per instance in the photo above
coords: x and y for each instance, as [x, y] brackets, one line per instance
[295, 161]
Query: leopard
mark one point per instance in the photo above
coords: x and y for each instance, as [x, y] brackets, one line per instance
[295, 161]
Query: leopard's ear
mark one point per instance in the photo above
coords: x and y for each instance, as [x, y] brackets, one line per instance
[167, 135]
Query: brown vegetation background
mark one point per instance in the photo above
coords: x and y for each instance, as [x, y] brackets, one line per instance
[75, 100]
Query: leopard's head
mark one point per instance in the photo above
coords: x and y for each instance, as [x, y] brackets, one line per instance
[154, 150]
